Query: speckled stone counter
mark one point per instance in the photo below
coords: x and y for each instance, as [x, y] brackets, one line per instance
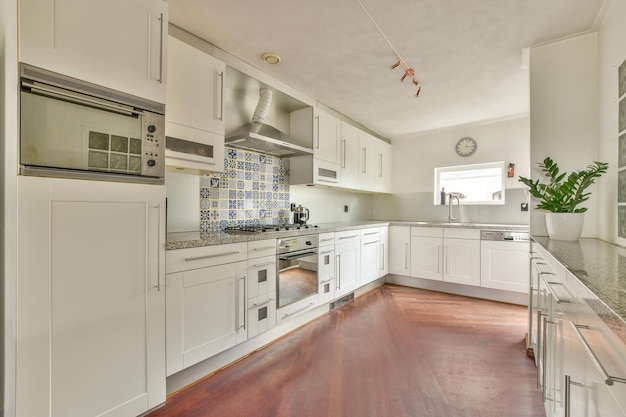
[601, 267]
[184, 240]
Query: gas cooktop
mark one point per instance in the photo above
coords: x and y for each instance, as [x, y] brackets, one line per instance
[267, 228]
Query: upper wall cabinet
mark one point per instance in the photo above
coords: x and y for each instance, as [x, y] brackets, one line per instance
[118, 44]
[320, 129]
[349, 162]
[194, 114]
[345, 156]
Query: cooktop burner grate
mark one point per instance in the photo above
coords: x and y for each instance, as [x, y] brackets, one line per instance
[267, 228]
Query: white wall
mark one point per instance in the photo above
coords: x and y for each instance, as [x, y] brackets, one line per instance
[416, 157]
[563, 112]
[327, 205]
[8, 199]
[611, 53]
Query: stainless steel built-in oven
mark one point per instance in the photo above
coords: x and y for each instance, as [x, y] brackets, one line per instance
[74, 129]
[297, 269]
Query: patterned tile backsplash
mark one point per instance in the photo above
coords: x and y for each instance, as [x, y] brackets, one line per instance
[252, 190]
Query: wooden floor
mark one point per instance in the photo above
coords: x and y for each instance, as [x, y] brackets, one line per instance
[394, 352]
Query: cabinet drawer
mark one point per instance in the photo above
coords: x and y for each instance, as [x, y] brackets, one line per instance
[326, 239]
[370, 235]
[193, 258]
[257, 248]
[427, 231]
[347, 235]
[462, 233]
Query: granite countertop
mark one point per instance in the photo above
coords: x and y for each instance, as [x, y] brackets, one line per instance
[185, 240]
[601, 267]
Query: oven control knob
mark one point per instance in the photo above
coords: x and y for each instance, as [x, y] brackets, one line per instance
[151, 162]
[151, 128]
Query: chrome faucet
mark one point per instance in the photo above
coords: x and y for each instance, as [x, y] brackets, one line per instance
[452, 196]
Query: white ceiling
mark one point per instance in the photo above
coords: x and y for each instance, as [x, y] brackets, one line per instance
[467, 54]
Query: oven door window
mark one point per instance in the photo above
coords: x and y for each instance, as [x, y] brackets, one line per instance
[297, 277]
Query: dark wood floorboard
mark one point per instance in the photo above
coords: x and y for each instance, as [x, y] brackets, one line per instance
[394, 352]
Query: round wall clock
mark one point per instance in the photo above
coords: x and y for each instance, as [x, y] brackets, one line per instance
[466, 146]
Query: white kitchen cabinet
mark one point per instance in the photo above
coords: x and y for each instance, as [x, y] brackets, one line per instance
[400, 250]
[370, 255]
[383, 245]
[195, 103]
[449, 255]
[115, 43]
[348, 258]
[368, 162]
[326, 268]
[504, 265]
[313, 128]
[206, 302]
[384, 167]
[319, 130]
[261, 290]
[91, 308]
[349, 156]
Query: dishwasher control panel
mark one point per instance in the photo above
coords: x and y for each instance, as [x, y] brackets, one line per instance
[504, 235]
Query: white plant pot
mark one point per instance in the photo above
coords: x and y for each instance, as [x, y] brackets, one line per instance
[565, 226]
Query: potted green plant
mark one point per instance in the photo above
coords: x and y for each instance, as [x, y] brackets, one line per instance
[561, 194]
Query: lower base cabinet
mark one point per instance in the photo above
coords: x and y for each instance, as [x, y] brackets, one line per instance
[348, 258]
[205, 307]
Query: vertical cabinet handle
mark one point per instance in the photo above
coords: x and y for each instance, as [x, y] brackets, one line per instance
[238, 306]
[220, 105]
[567, 397]
[343, 153]
[406, 256]
[539, 359]
[317, 121]
[364, 160]
[338, 271]
[380, 172]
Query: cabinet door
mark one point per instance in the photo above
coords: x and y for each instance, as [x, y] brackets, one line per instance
[462, 261]
[370, 255]
[261, 314]
[206, 311]
[400, 250]
[91, 309]
[383, 245]
[347, 255]
[114, 43]
[327, 141]
[427, 257]
[384, 167]
[261, 276]
[326, 271]
[195, 89]
[368, 162]
[349, 156]
[504, 266]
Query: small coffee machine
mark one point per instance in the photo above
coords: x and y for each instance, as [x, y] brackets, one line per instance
[300, 214]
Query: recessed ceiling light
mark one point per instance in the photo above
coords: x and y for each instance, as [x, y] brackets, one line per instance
[271, 58]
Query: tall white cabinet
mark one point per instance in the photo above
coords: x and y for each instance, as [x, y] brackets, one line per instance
[195, 104]
[91, 298]
[118, 44]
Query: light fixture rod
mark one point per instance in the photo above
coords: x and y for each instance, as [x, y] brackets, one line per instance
[382, 33]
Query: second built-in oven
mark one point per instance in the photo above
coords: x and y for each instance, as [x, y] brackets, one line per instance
[296, 262]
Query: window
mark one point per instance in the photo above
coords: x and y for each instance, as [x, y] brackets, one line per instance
[479, 184]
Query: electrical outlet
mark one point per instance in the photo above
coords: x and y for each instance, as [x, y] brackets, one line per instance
[524, 207]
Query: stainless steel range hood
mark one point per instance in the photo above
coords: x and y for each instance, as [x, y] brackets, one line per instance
[260, 137]
[268, 140]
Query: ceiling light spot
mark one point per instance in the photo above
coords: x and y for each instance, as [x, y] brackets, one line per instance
[271, 58]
